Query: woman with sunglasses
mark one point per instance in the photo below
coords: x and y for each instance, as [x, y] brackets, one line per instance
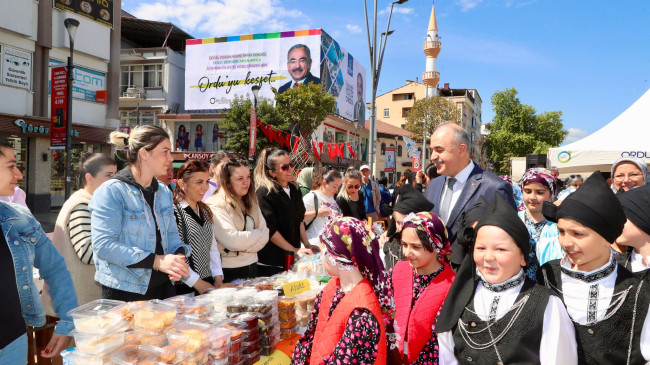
[136, 246]
[239, 227]
[282, 207]
[194, 220]
[349, 199]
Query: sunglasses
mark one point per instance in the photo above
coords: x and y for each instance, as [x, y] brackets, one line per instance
[287, 166]
[354, 186]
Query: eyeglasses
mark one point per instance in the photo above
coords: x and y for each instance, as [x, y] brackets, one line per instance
[287, 166]
[632, 176]
[354, 186]
[574, 176]
[293, 61]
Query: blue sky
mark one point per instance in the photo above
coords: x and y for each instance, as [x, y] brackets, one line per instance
[589, 59]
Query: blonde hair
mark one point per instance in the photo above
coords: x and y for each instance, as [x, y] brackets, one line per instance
[265, 163]
[144, 136]
[350, 174]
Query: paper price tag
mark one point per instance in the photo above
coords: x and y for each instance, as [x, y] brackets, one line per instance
[276, 358]
[296, 287]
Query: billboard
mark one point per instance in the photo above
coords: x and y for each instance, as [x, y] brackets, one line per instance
[389, 164]
[193, 136]
[87, 82]
[219, 69]
[100, 11]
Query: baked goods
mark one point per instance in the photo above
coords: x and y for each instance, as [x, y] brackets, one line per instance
[286, 303]
[288, 324]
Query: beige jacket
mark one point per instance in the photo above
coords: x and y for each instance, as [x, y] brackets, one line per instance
[83, 276]
[237, 247]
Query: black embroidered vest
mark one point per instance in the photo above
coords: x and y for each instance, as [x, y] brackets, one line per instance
[607, 342]
[520, 345]
[624, 259]
[200, 239]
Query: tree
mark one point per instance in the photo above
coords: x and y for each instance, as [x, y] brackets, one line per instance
[305, 108]
[428, 113]
[517, 130]
[237, 124]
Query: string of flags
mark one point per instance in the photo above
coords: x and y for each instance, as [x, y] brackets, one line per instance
[291, 142]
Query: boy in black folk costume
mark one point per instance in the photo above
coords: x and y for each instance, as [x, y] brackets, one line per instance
[607, 303]
[636, 232]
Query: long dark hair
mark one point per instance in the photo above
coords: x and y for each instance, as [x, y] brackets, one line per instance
[267, 162]
[93, 163]
[248, 201]
[184, 173]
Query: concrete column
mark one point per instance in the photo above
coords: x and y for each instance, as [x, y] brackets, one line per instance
[113, 75]
[42, 59]
[40, 175]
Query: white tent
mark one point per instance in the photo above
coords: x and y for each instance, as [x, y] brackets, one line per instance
[626, 135]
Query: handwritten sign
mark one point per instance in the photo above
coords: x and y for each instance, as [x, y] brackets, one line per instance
[276, 358]
[296, 287]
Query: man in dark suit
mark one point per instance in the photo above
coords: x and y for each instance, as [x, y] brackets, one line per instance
[299, 66]
[461, 182]
[360, 106]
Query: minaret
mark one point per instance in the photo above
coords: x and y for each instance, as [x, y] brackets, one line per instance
[430, 77]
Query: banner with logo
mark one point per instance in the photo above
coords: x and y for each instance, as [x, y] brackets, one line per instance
[219, 69]
[87, 82]
[389, 164]
[411, 146]
[59, 109]
[415, 164]
[100, 11]
[17, 68]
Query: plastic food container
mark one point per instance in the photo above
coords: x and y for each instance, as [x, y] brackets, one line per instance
[252, 335]
[195, 336]
[266, 350]
[237, 306]
[236, 345]
[95, 345]
[252, 358]
[79, 357]
[130, 355]
[249, 318]
[288, 324]
[181, 301]
[154, 340]
[244, 294]
[219, 340]
[154, 316]
[287, 315]
[97, 317]
[236, 329]
[250, 347]
[235, 357]
[288, 333]
[286, 304]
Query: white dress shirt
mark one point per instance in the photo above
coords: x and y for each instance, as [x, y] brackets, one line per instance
[461, 179]
[558, 344]
[636, 262]
[576, 299]
[215, 258]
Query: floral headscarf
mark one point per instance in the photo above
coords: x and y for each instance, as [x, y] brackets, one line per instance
[542, 176]
[350, 243]
[434, 230]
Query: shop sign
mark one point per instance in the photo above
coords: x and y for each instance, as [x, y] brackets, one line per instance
[198, 155]
[17, 68]
[59, 108]
[296, 287]
[86, 84]
[100, 11]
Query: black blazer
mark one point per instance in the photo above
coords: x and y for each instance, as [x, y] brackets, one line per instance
[347, 208]
[308, 79]
[284, 215]
[479, 183]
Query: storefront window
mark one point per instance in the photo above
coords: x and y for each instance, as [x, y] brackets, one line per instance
[58, 171]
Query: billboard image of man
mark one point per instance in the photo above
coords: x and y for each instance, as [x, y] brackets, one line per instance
[360, 106]
[299, 66]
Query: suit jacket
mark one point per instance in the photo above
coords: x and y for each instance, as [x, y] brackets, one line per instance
[360, 112]
[479, 183]
[308, 79]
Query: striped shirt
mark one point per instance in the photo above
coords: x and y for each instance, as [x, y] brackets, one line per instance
[79, 228]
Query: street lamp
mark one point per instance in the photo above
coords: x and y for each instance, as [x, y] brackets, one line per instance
[253, 126]
[256, 90]
[71, 25]
[375, 70]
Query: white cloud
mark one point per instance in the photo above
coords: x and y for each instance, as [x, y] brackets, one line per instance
[353, 28]
[219, 17]
[466, 5]
[574, 135]
[397, 10]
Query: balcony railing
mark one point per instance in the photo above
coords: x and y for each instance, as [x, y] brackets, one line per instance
[431, 78]
[432, 48]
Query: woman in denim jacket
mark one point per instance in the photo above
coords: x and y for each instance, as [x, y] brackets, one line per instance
[136, 246]
[23, 246]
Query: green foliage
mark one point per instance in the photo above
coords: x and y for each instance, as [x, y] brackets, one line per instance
[305, 106]
[517, 130]
[237, 125]
[428, 113]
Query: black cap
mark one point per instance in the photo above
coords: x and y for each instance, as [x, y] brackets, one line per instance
[593, 205]
[636, 204]
[502, 215]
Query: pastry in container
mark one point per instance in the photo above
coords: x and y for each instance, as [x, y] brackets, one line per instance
[287, 315]
[236, 328]
[250, 347]
[181, 301]
[79, 357]
[253, 358]
[97, 317]
[238, 305]
[245, 294]
[249, 318]
[286, 304]
[288, 323]
[96, 345]
[154, 316]
[266, 350]
[288, 333]
[140, 355]
[194, 334]
[236, 357]
[219, 340]
[251, 335]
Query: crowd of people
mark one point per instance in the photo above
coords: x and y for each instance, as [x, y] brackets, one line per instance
[470, 268]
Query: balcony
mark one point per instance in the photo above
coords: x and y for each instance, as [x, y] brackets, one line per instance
[134, 93]
[432, 48]
[431, 78]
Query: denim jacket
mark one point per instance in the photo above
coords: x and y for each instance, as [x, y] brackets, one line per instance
[124, 233]
[30, 247]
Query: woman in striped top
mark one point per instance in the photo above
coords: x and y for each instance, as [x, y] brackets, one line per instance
[72, 230]
[194, 221]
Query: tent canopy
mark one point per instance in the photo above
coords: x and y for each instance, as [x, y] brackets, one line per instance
[626, 135]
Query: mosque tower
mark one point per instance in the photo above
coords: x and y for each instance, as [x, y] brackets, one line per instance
[431, 77]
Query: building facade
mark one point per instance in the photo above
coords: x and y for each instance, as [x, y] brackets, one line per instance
[33, 39]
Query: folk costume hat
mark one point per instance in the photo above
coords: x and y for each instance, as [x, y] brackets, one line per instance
[432, 232]
[542, 176]
[500, 214]
[636, 204]
[593, 205]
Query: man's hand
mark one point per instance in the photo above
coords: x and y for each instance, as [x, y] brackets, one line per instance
[57, 344]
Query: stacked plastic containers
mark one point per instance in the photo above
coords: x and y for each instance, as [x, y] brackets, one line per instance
[287, 313]
[267, 305]
[99, 330]
[305, 306]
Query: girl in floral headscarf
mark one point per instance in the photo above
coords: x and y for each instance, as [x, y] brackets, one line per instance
[538, 186]
[347, 324]
[419, 286]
